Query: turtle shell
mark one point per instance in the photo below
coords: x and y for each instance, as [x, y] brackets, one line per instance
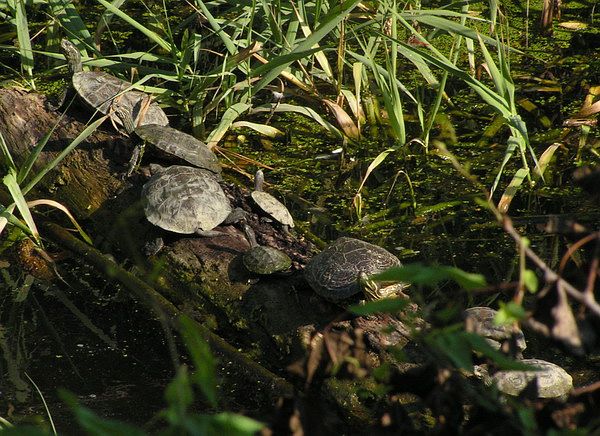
[185, 199]
[552, 381]
[333, 272]
[480, 320]
[99, 89]
[182, 145]
[273, 207]
[266, 260]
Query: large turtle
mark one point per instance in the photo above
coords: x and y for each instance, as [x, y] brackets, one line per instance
[342, 270]
[171, 142]
[480, 320]
[261, 259]
[100, 89]
[548, 379]
[186, 200]
[269, 204]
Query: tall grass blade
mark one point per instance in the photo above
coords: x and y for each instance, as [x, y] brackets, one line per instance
[306, 111]
[64, 11]
[10, 181]
[80, 138]
[153, 36]
[328, 23]
[63, 209]
[104, 21]
[25, 51]
[230, 115]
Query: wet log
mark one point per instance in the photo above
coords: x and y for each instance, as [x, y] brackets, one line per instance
[272, 318]
[87, 177]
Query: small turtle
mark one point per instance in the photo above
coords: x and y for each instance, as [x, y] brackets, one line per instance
[186, 200]
[551, 380]
[269, 204]
[261, 259]
[170, 141]
[480, 320]
[342, 269]
[100, 89]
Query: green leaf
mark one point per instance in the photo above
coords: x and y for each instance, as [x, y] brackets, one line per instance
[509, 313]
[431, 275]
[179, 396]
[530, 281]
[478, 344]
[386, 305]
[234, 424]
[204, 363]
[93, 425]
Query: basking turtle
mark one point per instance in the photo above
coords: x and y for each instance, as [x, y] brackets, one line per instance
[100, 89]
[551, 381]
[269, 204]
[186, 200]
[480, 320]
[170, 141]
[342, 269]
[261, 259]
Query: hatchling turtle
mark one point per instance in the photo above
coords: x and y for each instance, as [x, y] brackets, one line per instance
[269, 204]
[480, 320]
[186, 200]
[100, 89]
[170, 141]
[261, 259]
[551, 380]
[342, 270]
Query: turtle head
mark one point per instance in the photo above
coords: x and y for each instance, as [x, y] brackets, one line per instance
[377, 291]
[72, 55]
[259, 179]
[124, 114]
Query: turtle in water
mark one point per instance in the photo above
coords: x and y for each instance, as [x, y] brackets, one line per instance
[100, 89]
[170, 141]
[551, 381]
[342, 270]
[480, 320]
[186, 200]
[261, 259]
[269, 204]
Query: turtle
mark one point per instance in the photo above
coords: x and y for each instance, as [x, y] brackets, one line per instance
[551, 381]
[100, 89]
[343, 269]
[170, 141]
[269, 204]
[183, 199]
[261, 259]
[480, 320]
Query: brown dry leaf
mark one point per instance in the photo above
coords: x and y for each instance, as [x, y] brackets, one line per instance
[343, 119]
[589, 107]
[554, 317]
[565, 328]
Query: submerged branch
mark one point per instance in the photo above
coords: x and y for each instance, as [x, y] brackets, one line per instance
[274, 385]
